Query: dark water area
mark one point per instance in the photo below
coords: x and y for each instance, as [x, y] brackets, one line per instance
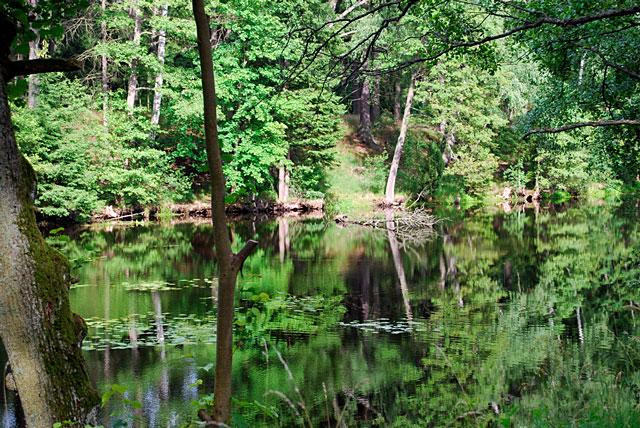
[521, 318]
[10, 412]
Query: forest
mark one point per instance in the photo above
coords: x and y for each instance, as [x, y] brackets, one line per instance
[319, 213]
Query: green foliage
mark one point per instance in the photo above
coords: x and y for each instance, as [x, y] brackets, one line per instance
[476, 165]
[456, 97]
[280, 78]
[375, 170]
[313, 127]
[422, 165]
[79, 164]
[262, 126]
[515, 176]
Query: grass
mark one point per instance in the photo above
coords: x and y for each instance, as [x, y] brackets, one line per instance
[357, 181]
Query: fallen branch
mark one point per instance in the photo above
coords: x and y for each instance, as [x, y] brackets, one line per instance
[417, 219]
[410, 227]
[120, 217]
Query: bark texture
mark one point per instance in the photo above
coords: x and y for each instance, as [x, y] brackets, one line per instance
[41, 335]
[104, 66]
[364, 130]
[397, 96]
[132, 90]
[283, 184]
[390, 192]
[229, 264]
[157, 90]
[375, 105]
[32, 92]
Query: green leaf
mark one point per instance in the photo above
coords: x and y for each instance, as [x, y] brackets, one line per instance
[106, 397]
[196, 384]
[17, 88]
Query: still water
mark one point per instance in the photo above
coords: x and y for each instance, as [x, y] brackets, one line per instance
[520, 318]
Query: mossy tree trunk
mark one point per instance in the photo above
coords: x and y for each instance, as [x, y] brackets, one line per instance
[41, 335]
[229, 264]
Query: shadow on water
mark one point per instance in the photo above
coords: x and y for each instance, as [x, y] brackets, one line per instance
[524, 318]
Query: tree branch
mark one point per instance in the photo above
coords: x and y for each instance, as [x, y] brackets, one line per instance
[350, 9]
[618, 67]
[241, 256]
[37, 66]
[571, 126]
[544, 20]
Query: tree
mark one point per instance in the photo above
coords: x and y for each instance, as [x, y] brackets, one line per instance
[229, 264]
[364, 128]
[40, 333]
[397, 154]
[34, 47]
[136, 15]
[104, 64]
[157, 90]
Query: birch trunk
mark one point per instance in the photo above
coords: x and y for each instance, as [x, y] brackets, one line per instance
[390, 192]
[32, 92]
[104, 66]
[583, 59]
[132, 90]
[229, 264]
[157, 90]
[283, 184]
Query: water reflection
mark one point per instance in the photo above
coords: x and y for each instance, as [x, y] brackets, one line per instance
[497, 316]
[11, 412]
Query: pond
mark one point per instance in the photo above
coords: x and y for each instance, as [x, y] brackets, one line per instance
[521, 318]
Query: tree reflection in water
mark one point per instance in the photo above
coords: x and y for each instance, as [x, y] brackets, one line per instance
[523, 318]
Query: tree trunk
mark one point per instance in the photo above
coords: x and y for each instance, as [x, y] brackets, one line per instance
[583, 60]
[41, 335]
[449, 137]
[157, 91]
[283, 184]
[397, 95]
[364, 130]
[355, 99]
[449, 142]
[32, 92]
[132, 91]
[375, 105]
[104, 66]
[390, 192]
[229, 264]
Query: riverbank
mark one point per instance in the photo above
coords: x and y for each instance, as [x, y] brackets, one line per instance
[202, 209]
